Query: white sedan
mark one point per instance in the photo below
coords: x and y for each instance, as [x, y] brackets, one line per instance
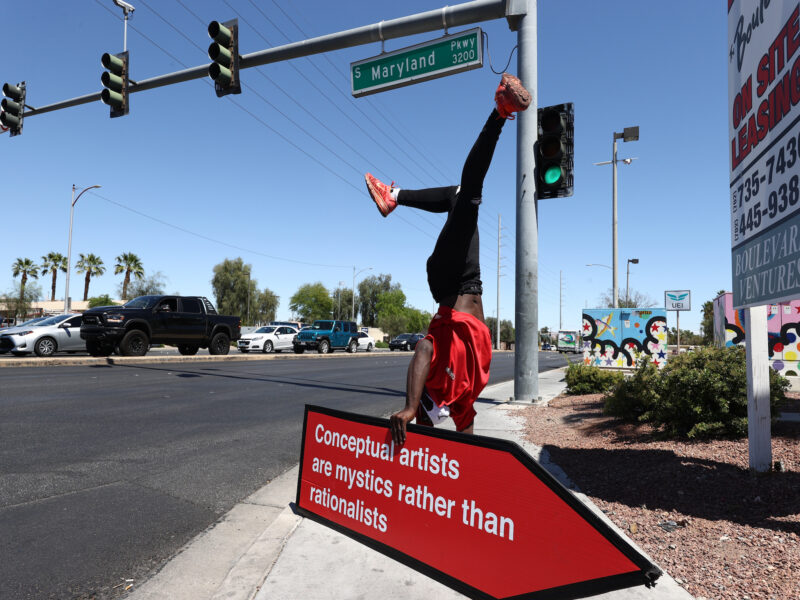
[365, 342]
[61, 333]
[267, 339]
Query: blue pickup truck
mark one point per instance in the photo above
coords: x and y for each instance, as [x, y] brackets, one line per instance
[325, 336]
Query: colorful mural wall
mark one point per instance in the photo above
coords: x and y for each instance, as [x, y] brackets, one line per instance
[783, 331]
[619, 337]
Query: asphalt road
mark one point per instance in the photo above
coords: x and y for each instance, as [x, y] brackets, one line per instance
[106, 471]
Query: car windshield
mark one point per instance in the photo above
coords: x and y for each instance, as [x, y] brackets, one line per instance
[141, 302]
[322, 325]
[53, 320]
[36, 321]
[403, 336]
[265, 330]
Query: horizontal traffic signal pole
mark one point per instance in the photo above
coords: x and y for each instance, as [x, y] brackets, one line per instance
[432, 20]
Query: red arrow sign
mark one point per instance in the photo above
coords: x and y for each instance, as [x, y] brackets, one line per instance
[475, 513]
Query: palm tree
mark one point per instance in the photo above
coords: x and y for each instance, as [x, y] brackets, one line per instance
[25, 267]
[91, 265]
[130, 264]
[54, 262]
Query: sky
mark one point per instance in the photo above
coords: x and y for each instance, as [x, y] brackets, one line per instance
[275, 175]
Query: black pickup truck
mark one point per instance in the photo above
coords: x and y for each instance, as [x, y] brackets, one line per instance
[188, 322]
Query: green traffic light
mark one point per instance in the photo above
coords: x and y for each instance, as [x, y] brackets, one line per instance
[553, 174]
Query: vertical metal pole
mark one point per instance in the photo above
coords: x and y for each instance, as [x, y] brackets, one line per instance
[526, 304]
[125, 31]
[628, 284]
[678, 317]
[69, 250]
[498, 281]
[614, 222]
[353, 308]
[560, 300]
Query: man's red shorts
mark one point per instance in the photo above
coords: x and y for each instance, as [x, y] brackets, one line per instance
[462, 354]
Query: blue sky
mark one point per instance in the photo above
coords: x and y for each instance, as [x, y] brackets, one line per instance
[189, 179]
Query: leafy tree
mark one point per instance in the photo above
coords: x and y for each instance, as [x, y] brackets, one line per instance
[369, 289]
[391, 302]
[393, 323]
[688, 338]
[342, 302]
[18, 301]
[130, 264]
[104, 300]
[265, 306]
[418, 320]
[707, 323]
[152, 285]
[636, 300]
[232, 287]
[311, 302]
[27, 268]
[54, 262]
[92, 266]
[507, 331]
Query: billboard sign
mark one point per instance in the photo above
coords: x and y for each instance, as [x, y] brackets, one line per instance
[476, 513]
[764, 145]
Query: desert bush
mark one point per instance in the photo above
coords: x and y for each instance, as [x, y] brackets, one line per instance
[634, 396]
[584, 379]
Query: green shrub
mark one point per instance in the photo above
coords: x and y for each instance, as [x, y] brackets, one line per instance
[381, 344]
[583, 379]
[634, 396]
[698, 394]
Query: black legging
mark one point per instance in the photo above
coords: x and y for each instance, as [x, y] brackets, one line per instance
[454, 267]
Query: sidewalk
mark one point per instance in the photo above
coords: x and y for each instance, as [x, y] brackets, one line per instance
[261, 550]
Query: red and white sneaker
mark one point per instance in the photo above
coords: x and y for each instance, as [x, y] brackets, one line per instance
[511, 96]
[381, 194]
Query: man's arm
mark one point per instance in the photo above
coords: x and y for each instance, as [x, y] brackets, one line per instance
[415, 381]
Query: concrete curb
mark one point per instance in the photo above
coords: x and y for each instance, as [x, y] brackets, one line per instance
[146, 360]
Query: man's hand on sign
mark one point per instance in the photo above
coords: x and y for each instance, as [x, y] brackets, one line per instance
[398, 422]
[415, 382]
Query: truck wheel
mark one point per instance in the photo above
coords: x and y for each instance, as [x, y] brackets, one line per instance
[135, 343]
[324, 347]
[268, 347]
[45, 347]
[220, 344]
[188, 349]
[99, 349]
[298, 349]
[352, 347]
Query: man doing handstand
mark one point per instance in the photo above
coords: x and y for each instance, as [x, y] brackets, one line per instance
[450, 366]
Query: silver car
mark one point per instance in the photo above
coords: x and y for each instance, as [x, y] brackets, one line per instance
[61, 333]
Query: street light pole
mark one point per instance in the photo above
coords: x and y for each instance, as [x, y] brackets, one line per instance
[353, 309]
[629, 134]
[69, 243]
[628, 280]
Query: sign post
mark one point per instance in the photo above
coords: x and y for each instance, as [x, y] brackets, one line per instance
[678, 300]
[447, 55]
[475, 513]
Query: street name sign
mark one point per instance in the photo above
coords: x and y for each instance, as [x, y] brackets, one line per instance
[764, 142]
[447, 55]
[477, 514]
[678, 300]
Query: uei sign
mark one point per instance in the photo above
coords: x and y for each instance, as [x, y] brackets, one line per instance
[447, 55]
[678, 300]
[477, 514]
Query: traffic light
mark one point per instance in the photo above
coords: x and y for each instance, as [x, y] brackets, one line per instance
[554, 151]
[115, 80]
[13, 106]
[224, 51]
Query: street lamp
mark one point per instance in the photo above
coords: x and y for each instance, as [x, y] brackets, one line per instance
[353, 309]
[629, 134]
[628, 279]
[69, 245]
[339, 310]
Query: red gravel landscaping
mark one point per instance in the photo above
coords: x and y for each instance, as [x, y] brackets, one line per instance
[694, 507]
